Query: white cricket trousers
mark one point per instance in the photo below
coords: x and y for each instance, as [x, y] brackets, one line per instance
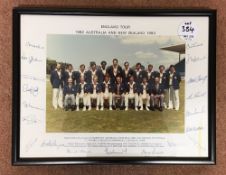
[84, 98]
[174, 98]
[130, 96]
[144, 98]
[96, 96]
[104, 96]
[57, 98]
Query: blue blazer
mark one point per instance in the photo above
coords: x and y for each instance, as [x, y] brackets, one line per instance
[66, 77]
[151, 78]
[164, 80]
[110, 87]
[70, 90]
[110, 71]
[158, 91]
[125, 78]
[141, 88]
[135, 88]
[99, 74]
[55, 80]
[79, 88]
[98, 88]
[139, 78]
[77, 76]
[175, 81]
[122, 88]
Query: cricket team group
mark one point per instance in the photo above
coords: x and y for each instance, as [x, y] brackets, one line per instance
[115, 87]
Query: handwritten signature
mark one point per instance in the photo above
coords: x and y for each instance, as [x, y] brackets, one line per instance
[31, 59]
[30, 119]
[192, 45]
[195, 112]
[34, 45]
[32, 90]
[199, 78]
[30, 77]
[29, 105]
[196, 95]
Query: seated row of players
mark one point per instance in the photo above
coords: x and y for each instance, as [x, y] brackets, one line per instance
[112, 93]
[115, 84]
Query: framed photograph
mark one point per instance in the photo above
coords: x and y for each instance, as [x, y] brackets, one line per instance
[98, 86]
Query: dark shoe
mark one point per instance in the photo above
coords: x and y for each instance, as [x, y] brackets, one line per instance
[72, 108]
[161, 108]
[66, 108]
[152, 108]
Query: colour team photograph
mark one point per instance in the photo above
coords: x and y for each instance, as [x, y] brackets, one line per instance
[115, 84]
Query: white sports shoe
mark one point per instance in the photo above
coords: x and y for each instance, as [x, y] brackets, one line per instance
[136, 109]
[102, 108]
[84, 109]
[141, 109]
[110, 108]
[147, 108]
[126, 109]
[77, 109]
[97, 108]
[177, 109]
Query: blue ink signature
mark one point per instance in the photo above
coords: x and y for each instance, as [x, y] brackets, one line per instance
[197, 79]
[31, 59]
[32, 90]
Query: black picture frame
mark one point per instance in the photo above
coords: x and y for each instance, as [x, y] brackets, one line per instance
[211, 159]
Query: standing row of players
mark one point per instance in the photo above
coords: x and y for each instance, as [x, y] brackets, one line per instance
[117, 85]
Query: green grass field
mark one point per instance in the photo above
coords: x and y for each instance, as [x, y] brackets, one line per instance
[168, 121]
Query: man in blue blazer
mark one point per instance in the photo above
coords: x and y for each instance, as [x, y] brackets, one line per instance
[82, 90]
[80, 73]
[56, 80]
[102, 70]
[69, 95]
[151, 74]
[162, 75]
[127, 72]
[114, 70]
[93, 72]
[173, 81]
[157, 95]
[69, 74]
[119, 92]
[139, 73]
